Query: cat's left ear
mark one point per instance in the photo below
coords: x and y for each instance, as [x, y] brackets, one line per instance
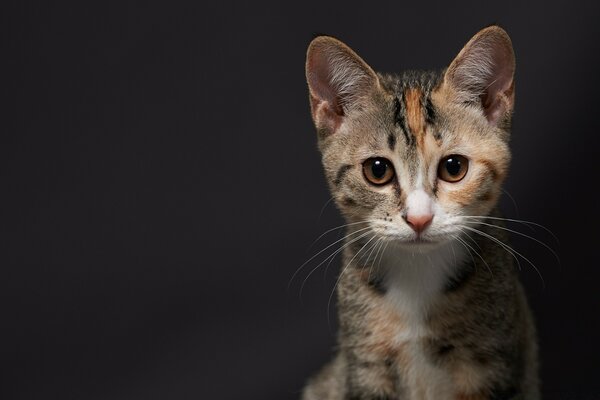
[483, 74]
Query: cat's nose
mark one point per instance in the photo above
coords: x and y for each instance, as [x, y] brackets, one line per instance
[419, 222]
[419, 210]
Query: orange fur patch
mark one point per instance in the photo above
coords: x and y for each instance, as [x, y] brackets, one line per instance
[469, 381]
[414, 112]
[467, 193]
[492, 168]
[385, 324]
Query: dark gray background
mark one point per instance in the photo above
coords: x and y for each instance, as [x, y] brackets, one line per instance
[161, 184]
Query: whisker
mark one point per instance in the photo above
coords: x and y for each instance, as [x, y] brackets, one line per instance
[387, 242]
[324, 207]
[379, 247]
[512, 254]
[336, 228]
[454, 252]
[331, 256]
[513, 200]
[372, 248]
[524, 235]
[456, 237]
[519, 221]
[320, 252]
[508, 249]
[331, 261]
[470, 238]
[342, 273]
[479, 255]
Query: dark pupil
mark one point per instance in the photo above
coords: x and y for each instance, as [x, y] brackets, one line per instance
[378, 169]
[453, 166]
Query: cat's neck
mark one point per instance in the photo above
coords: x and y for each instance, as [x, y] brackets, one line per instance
[415, 276]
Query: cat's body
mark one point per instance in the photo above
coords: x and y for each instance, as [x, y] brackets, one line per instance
[429, 301]
[467, 336]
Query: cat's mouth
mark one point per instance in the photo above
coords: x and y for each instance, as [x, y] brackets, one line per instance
[420, 239]
[410, 239]
[423, 241]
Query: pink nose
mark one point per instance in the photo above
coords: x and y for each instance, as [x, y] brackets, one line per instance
[419, 222]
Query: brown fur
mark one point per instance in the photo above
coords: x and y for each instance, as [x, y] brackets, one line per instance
[446, 319]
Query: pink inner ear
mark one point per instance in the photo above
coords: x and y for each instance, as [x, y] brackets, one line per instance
[497, 102]
[498, 96]
[319, 82]
[325, 104]
[339, 81]
[484, 71]
[327, 119]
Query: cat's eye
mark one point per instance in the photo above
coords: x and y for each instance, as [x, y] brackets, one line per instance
[378, 171]
[453, 168]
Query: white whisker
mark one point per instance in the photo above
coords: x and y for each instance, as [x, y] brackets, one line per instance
[324, 207]
[478, 255]
[320, 252]
[336, 228]
[509, 249]
[519, 221]
[513, 200]
[342, 273]
[380, 243]
[332, 256]
[521, 234]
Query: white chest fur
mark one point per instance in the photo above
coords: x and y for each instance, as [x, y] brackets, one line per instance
[415, 280]
[416, 276]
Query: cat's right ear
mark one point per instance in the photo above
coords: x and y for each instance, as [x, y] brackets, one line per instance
[338, 81]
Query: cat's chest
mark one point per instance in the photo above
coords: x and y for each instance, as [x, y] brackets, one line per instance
[416, 373]
[415, 282]
[412, 293]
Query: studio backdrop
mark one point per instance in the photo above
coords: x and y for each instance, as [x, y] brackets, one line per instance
[161, 186]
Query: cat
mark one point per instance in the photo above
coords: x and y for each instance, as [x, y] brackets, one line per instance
[415, 163]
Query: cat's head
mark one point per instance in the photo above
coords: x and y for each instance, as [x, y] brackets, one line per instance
[415, 154]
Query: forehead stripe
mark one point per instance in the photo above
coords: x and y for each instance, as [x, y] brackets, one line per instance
[429, 110]
[399, 117]
[414, 111]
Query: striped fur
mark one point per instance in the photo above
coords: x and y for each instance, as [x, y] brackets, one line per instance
[422, 317]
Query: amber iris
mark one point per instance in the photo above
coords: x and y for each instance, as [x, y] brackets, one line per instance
[453, 168]
[378, 171]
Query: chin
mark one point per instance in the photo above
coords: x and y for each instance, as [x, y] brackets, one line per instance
[422, 243]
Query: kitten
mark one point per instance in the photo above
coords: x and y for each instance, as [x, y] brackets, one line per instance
[415, 163]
